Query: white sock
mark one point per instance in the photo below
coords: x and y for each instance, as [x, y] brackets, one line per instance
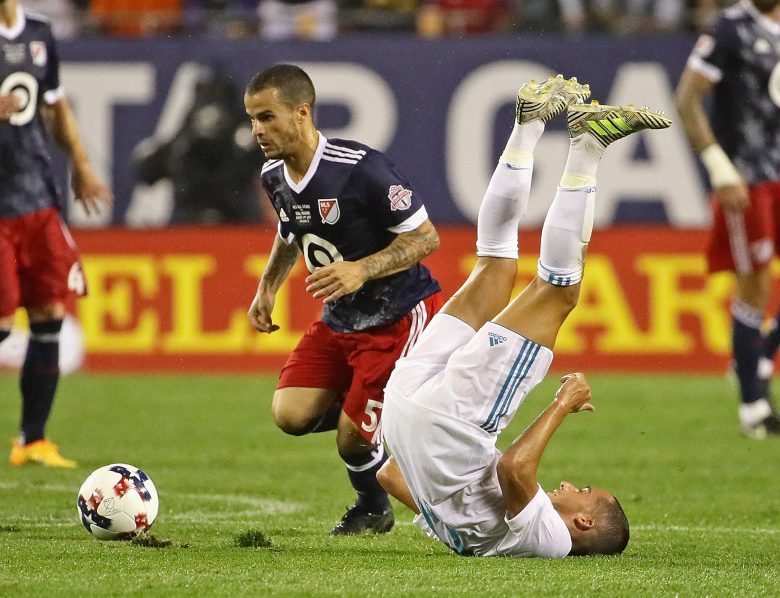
[585, 154]
[506, 198]
[565, 236]
[520, 146]
[766, 368]
[752, 414]
[502, 207]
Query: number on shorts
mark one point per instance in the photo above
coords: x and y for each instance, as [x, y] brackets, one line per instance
[76, 281]
[372, 411]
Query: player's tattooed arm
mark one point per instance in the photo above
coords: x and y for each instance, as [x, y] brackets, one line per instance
[280, 262]
[406, 250]
[282, 259]
[728, 185]
[342, 278]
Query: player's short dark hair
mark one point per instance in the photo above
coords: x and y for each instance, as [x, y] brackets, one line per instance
[612, 531]
[294, 85]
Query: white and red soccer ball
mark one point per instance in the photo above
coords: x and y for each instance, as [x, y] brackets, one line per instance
[117, 502]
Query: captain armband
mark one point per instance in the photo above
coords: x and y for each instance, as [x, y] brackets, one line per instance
[720, 168]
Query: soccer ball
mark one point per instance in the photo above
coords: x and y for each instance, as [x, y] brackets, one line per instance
[117, 502]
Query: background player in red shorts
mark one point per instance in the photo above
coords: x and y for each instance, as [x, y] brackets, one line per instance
[739, 65]
[362, 230]
[39, 264]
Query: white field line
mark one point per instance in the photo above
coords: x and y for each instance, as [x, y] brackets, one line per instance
[269, 506]
[259, 506]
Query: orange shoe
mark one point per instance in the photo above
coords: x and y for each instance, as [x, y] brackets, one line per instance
[43, 452]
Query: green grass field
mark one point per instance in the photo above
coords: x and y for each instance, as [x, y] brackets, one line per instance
[704, 503]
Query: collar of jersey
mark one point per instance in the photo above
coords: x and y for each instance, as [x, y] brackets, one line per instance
[16, 30]
[315, 162]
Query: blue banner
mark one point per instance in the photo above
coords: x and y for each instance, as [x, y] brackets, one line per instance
[440, 109]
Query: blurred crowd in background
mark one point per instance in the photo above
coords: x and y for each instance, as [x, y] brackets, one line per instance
[326, 19]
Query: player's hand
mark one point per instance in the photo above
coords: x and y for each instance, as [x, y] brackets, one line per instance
[335, 280]
[90, 191]
[259, 313]
[9, 105]
[733, 198]
[574, 394]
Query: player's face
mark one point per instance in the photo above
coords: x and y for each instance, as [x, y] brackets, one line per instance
[275, 125]
[766, 5]
[567, 498]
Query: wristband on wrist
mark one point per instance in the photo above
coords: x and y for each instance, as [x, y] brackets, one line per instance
[720, 168]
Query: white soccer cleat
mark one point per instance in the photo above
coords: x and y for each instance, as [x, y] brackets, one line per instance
[543, 101]
[607, 124]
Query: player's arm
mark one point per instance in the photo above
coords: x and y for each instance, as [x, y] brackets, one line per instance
[342, 278]
[87, 187]
[280, 262]
[726, 182]
[390, 478]
[518, 465]
[9, 104]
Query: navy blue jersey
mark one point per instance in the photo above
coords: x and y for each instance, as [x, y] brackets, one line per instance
[352, 203]
[28, 69]
[742, 58]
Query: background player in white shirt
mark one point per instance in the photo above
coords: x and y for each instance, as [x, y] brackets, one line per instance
[447, 401]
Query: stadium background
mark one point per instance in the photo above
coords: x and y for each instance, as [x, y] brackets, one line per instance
[174, 298]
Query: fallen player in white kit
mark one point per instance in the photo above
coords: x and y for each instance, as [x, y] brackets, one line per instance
[450, 398]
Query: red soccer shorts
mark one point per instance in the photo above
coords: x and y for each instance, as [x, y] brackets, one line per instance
[39, 262]
[356, 363]
[745, 241]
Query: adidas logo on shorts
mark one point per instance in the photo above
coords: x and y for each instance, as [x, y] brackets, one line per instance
[495, 339]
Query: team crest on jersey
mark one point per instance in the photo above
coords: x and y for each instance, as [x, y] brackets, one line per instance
[329, 210]
[704, 45]
[38, 52]
[400, 198]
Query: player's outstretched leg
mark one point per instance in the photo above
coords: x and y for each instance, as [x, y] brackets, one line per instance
[488, 288]
[538, 312]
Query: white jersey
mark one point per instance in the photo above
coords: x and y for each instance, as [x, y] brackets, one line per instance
[445, 404]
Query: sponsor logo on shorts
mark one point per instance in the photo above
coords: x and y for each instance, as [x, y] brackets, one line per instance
[495, 339]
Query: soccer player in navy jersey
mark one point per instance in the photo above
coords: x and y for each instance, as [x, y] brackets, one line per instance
[738, 64]
[449, 399]
[363, 230]
[39, 263]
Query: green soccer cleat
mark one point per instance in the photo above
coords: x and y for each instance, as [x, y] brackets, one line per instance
[543, 101]
[610, 123]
